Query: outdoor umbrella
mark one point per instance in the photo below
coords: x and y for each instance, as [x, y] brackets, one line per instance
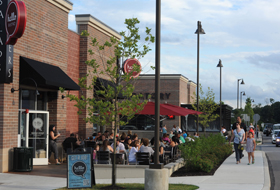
[167, 109]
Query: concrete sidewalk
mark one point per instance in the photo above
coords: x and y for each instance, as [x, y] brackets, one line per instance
[229, 176]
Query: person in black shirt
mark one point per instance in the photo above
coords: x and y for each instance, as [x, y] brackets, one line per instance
[242, 126]
[70, 142]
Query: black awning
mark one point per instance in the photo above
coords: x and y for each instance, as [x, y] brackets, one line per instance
[103, 83]
[45, 75]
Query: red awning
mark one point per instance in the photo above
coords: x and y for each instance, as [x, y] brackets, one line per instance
[167, 109]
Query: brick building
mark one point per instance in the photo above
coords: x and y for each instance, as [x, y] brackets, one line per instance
[175, 89]
[46, 57]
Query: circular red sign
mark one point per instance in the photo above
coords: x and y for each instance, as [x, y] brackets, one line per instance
[128, 67]
[15, 21]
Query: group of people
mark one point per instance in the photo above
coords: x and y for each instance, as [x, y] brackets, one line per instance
[241, 136]
[125, 143]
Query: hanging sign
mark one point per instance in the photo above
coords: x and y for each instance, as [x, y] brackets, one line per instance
[128, 67]
[15, 21]
[12, 25]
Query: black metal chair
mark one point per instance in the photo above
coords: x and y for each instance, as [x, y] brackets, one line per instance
[143, 158]
[91, 144]
[103, 157]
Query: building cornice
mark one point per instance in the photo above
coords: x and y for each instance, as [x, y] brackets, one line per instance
[165, 76]
[97, 24]
[65, 5]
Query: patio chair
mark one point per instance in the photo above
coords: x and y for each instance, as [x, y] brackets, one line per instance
[103, 157]
[143, 158]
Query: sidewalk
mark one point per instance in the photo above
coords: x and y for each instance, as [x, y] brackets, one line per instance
[230, 176]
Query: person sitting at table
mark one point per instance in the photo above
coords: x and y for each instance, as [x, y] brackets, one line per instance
[123, 137]
[171, 134]
[181, 138]
[128, 143]
[111, 136]
[146, 148]
[106, 147]
[132, 153]
[185, 134]
[98, 136]
[119, 146]
[134, 137]
[70, 142]
[176, 139]
[165, 138]
[106, 133]
[129, 134]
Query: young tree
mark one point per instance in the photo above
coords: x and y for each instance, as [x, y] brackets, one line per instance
[249, 110]
[105, 108]
[207, 105]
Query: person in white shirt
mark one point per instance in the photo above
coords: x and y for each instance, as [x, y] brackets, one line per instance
[120, 146]
[132, 152]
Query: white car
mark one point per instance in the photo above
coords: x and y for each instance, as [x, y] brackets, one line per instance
[274, 135]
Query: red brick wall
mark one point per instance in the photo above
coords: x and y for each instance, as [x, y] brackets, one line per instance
[73, 72]
[45, 39]
[86, 129]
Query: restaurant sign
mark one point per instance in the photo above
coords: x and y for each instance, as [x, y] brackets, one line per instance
[128, 67]
[12, 25]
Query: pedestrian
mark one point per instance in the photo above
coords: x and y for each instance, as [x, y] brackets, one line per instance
[242, 126]
[250, 148]
[257, 131]
[238, 135]
[164, 130]
[52, 144]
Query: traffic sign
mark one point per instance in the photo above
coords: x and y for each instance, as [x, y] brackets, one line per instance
[256, 118]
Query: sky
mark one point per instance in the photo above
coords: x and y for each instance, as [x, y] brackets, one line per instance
[244, 34]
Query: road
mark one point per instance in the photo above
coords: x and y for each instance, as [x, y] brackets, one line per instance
[273, 158]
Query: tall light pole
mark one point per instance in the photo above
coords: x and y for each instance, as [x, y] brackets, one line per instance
[156, 164]
[241, 94]
[242, 82]
[220, 65]
[198, 31]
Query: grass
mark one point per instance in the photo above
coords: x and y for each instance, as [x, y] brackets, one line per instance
[138, 186]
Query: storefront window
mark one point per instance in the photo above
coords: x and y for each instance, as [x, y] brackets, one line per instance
[31, 99]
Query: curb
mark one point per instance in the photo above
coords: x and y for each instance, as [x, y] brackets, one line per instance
[266, 185]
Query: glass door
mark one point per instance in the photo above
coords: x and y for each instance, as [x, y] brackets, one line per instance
[34, 132]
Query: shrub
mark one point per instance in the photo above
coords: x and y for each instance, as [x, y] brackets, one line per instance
[204, 153]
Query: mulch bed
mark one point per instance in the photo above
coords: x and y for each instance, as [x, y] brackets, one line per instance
[184, 172]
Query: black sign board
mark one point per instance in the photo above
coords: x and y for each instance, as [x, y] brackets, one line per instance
[6, 51]
[80, 168]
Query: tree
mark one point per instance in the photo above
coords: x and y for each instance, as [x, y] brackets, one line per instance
[207, 105]
[105, 108]
[249, 110]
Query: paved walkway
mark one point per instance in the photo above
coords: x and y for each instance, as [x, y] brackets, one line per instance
[229, 176]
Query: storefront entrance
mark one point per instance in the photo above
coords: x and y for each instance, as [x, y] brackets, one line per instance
[34, 132]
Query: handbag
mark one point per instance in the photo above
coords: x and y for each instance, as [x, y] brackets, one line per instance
[240, 147]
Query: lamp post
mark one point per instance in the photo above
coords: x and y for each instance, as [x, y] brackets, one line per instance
[156, 164]
[198, 31]
[241, 94]
[220, 65]
[242, 82]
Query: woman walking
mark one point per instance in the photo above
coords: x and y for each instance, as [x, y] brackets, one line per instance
[238, 136]
[53, 146]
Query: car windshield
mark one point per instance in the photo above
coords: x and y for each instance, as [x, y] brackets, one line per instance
[276, 132]
[276, 127]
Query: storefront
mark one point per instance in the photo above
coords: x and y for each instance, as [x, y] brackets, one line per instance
[48, 56]
[175, 89]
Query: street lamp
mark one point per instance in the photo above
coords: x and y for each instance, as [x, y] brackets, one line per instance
[241, 98]
[198, 31]
[242, 82]
[220, 65]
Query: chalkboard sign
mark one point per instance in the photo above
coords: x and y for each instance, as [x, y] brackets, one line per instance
[80, 169]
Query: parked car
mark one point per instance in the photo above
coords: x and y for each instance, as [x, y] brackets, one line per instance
[128, 127]
[274, 135]
[277, 141]
[150, 127]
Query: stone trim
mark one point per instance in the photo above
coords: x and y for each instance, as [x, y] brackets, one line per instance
[166, 76]
[65, 5]
[88, 19]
